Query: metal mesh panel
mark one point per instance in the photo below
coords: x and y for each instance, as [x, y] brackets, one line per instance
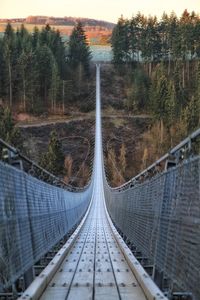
[162, 218]
[34, 216]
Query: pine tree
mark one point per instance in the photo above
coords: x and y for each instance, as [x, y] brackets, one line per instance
[159, 92]
[193, 108]
[53, 159]
[192, 112]
[45, 36]
[35, 37]
[9, 56]
[58, 50]
[2, 71]
[46, 70]
[8, 131]
[174, 38]
[24, 66]
[120, 42]
[151, 45]
[170, 105]
[134, 36]
[139, 93]
[197, 38]
[79, 54]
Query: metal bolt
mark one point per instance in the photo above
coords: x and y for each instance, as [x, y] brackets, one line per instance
[134, 284]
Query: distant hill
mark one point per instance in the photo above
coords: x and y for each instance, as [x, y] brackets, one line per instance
[65, 21]
[98, 32]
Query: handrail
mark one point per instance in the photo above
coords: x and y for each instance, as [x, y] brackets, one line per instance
[53, 179]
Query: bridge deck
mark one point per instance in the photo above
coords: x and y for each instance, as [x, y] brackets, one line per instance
[95, 268]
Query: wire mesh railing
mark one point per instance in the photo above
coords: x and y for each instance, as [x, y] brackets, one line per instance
[161, 217]
[34, 216]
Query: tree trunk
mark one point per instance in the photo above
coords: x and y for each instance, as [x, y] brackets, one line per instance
[24, 93]
[188, 69]
[183, 75]
[138, 56]
[161, 131]
[80, 78]
[52, 102]
[150, 68]
[45, 94]
[169, 63]
[63, 94]
[10, 84]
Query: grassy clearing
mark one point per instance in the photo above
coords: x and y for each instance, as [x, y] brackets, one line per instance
[118, 122]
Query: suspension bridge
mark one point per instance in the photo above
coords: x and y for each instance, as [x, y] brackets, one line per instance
[138, 241]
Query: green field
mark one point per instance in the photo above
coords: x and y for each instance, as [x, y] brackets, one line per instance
[101, 53]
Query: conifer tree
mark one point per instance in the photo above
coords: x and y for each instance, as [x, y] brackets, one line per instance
[120, 42]
[8, 131]
[134, 35]
[2, 64]
[79, 54]
[24, 65]
[53, 159]
[170, 105]
[139, 94]
[9, 42]
[35, 37]
[193, 108]
[46, 69]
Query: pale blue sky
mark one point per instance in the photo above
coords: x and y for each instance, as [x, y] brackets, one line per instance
[108, 10]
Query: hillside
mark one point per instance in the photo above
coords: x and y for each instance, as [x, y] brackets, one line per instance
[98, 32]
[65, 21]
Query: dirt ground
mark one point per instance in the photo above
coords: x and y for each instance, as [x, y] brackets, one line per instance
[77, 138]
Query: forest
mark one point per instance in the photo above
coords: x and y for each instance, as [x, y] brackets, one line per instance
[160, 62]
[38, 73]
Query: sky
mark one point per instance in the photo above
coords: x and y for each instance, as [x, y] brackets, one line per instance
[109, 10]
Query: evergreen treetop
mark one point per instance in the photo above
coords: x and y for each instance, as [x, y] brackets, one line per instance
[79, 51]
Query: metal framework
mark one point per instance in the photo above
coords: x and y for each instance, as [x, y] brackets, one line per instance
[161, 217]
[34, 216]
